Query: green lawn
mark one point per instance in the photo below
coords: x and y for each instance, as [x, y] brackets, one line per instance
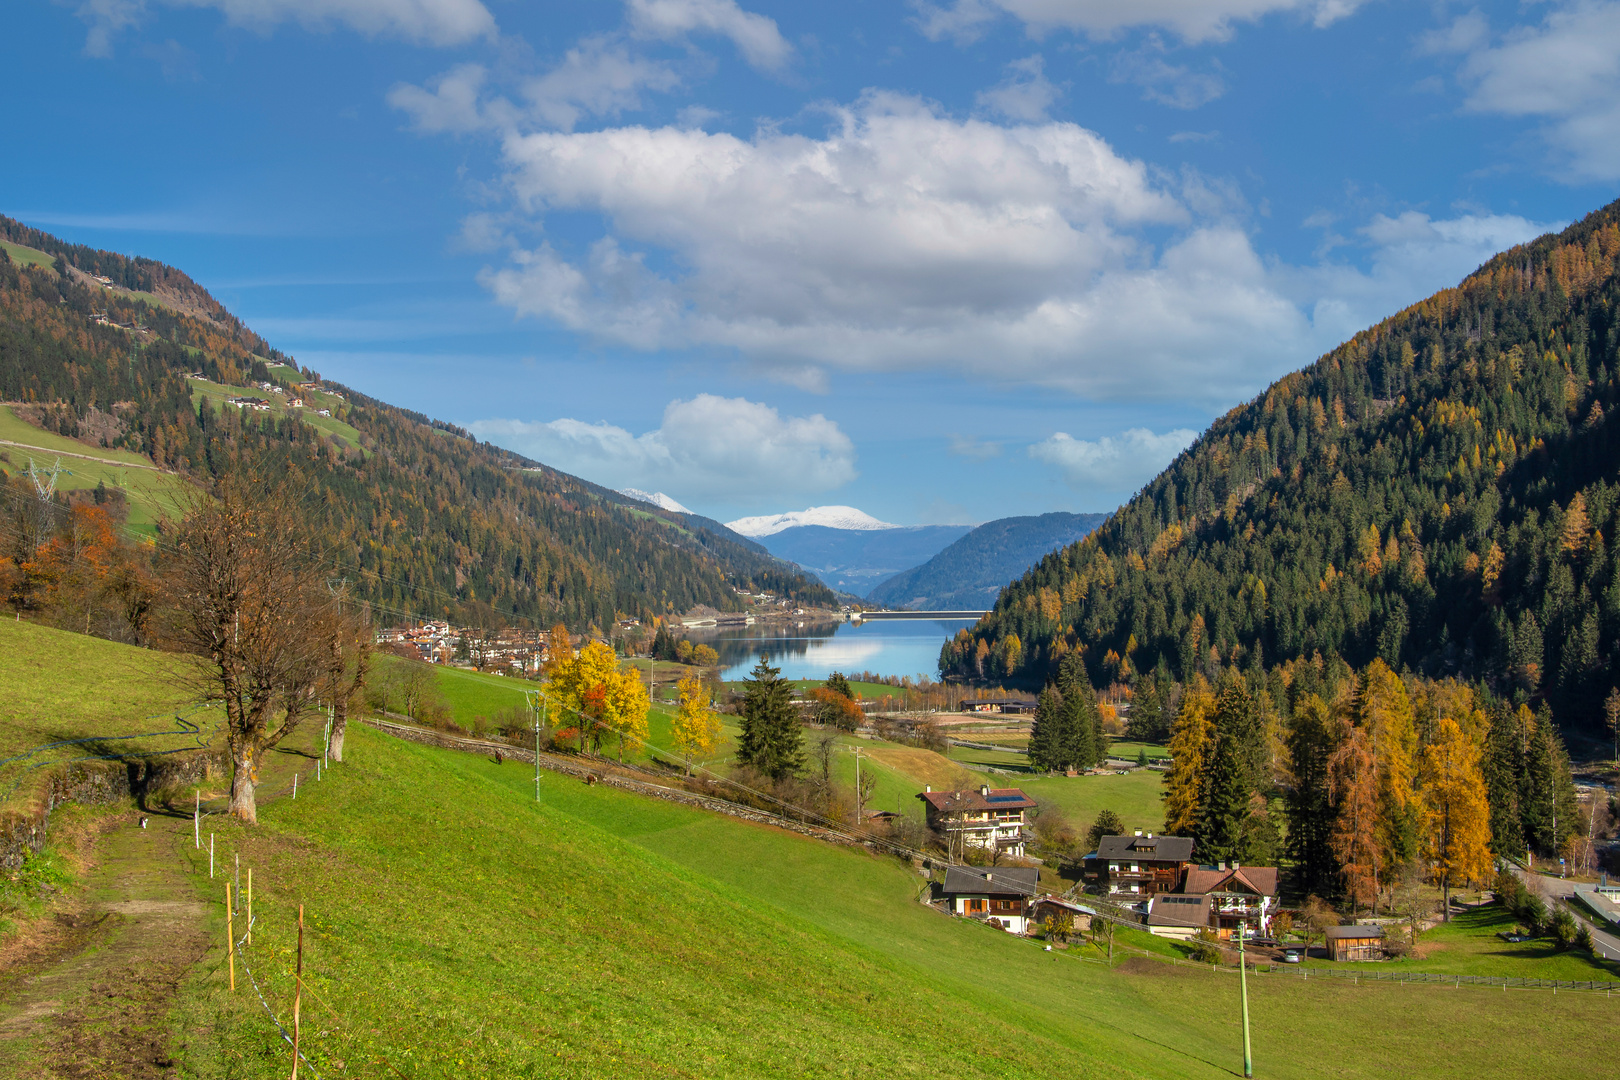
[455, 928]
[62, 686]
[1468, 945]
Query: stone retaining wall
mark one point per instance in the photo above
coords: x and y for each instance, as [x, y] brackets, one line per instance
[98, 783]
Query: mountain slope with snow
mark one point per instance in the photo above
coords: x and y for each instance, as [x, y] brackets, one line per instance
[831, 517]
[657, 498]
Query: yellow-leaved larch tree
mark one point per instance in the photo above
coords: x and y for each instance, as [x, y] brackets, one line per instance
[696, 729]
[1458, 819]
[1190, 739]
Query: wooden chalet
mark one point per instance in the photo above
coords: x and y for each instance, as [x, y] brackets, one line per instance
[1140, 865]
[990, 818]
[1241, 898]
[996, 894]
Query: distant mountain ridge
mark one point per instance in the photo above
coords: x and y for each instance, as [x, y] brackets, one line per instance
[971, 572]
[854, 560]
[831, 517]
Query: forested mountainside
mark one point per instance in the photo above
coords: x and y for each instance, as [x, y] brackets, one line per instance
[424, 519]
[970, 574]
[1438, 492]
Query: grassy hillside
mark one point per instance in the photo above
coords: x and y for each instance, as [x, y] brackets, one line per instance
[456, 928]
[62, 686]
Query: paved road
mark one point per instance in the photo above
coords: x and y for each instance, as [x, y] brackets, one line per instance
[1605, 944]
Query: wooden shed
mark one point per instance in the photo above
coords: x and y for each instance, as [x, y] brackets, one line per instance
[1355, 942]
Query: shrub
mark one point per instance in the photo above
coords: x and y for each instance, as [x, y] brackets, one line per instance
[1583, 938]
[1532, 911]
[1205, 952]
[1564, 927]
[1508, 888]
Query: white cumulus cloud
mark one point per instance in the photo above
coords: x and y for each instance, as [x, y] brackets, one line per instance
[708, 447]
[1112, 463]
[1191, 20]
[427, 22]
[1565, 72]
[755, 36]
[908, 239]
[1025, 94]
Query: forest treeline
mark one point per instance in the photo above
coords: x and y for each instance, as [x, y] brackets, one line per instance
[1439, 493]
[421, 519]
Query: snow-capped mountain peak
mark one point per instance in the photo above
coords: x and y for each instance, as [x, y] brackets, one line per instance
[657, 498]
[833, 517]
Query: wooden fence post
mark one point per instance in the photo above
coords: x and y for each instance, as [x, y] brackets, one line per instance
[230, 936]
[298, 989]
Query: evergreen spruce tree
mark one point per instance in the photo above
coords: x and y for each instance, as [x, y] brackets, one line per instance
[1046, 733]
[1306, 803]
[1225, 804]
[1504, 761]
[1547, 797]
[1238, 715]
[838, 684]
[1079, 740]
[771, 740]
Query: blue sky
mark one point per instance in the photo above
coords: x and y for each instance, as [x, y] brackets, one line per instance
[943, 262]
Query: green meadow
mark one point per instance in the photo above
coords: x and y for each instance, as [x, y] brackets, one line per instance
[457, 928]
[27, 256]
[61, 686]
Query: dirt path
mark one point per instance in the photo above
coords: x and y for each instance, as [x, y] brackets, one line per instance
[95, 1003]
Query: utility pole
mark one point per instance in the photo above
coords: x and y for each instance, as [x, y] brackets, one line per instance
[1243, 982]
[537, 706]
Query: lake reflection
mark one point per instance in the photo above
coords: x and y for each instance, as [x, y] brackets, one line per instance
[816, 649]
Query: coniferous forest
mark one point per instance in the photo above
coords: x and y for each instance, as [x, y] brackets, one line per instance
[421, 517]
[1437, 494]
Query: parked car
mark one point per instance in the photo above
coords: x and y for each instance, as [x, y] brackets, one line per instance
[1293, 954]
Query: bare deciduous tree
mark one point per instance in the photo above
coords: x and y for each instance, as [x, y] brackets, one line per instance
[348, 663]
[243, 597]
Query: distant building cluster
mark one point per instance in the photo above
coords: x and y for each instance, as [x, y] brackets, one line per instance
[520, 652]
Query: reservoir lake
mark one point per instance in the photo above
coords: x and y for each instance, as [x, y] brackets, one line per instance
[813, 650]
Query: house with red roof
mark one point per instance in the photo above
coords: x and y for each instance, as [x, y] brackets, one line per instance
[1226, 900]
[995, 819]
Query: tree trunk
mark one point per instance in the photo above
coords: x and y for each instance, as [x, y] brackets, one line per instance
[1445, 904]
[340, 724]
[243, 804]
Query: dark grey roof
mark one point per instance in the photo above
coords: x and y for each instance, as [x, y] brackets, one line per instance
[1336, 932]
[1174, 909]
[992, 880]
[1151, 848]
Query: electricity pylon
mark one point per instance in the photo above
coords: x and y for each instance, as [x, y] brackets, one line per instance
[45, 479]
